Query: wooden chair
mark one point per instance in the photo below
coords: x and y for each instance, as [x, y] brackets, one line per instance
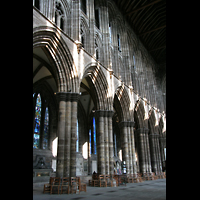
[47, 186]
[109, 180]
[65, 184]
[140, 178]
[116, 179]
[145, 177]
[102, 181]
[95, 180]
[154, 176]
[81, 186]
[55, 183]
[74, 185]
[130, 178]
[150, 175]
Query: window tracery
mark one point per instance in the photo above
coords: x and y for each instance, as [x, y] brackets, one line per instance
[59, 15]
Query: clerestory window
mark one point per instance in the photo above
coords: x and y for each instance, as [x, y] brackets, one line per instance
[59, 16]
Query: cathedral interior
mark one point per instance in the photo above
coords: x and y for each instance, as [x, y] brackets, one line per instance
[99, 87]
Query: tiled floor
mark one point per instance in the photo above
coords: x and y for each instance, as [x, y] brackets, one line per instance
[147, 190]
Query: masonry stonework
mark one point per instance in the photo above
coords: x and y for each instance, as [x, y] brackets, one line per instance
[89, 64]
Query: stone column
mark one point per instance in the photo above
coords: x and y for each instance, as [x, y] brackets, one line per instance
[153, 152]
[61, 96]
[133, 147]
[67, 136]
[140, 137]
[110, 138]
[106, 145]
[148, 151]
[159, 164]
[99, 115]
[74, 105]
[129, 148]
[159, 154]
[125, 155]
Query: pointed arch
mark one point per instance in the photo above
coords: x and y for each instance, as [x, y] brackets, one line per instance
[139, 114]
[84, 33]
[99, 86]
[152, 121]
[122, 104]
[98, 46]
[58, 52]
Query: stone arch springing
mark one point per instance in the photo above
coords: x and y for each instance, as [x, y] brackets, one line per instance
[139, 114]
[152, 122]
[64, 68]
[99, 85]
[122, 103]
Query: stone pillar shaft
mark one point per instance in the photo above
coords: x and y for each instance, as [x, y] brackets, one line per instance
[125, 152]
[67, 137]
[106, 143]
[74, 99]
[67, 130]
[61, 134]
[100, 141]
[110, 138]
[140, 138]
[133, 148]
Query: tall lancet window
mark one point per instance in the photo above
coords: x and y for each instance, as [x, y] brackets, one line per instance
[46, 129]
[94, 136]
[36, 135]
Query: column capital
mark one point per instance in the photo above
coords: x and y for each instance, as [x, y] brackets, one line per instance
[104, 113]
[67, 96]
[63, 96]
[123, 124]
[99, 113]
[143, 130]
[75, 97]
[110, 113]
[131, 124]
[126, 124]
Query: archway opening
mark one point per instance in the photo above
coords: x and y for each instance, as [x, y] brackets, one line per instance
[44, 110]
[87, 144]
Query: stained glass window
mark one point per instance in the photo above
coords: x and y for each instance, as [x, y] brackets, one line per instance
[36, 136]
[94, 132]
[90, 148]
[46, 129]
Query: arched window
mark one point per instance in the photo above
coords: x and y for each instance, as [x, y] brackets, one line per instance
[96, 50]
[82, 37]
[92, 138]
[36, 135]
[119, 42]
[110, 33]
[83, 6]
[41, 124]
[46, 129]
[59, 15]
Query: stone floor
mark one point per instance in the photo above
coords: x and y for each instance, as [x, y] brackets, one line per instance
[154, 190]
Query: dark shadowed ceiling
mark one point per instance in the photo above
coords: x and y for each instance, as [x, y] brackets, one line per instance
[148, 20]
